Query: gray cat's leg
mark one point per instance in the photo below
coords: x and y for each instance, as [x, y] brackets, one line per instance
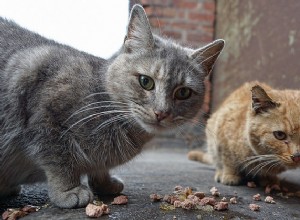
[65, 189]
[104, 184]
[6, 190]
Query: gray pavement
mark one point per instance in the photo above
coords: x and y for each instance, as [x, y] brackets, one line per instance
[159, 170]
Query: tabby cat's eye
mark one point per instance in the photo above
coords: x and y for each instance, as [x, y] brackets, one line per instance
[280, 135]
[146, 82]
[183, 93]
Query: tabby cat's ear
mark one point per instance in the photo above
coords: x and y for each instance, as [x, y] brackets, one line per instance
[207, 55]
[139, 35]
[261, 102]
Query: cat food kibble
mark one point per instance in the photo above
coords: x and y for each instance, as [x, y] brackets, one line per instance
[155, 197]
[256, 197]
[178, 188]
[221, 206]
[95, 211]
[269, 199]
[254, 207]
[233, 200]
[214, 191]
[12, 214]
[120, 200]
[188, 204]
[177, 204]
[200, 195]
[208, 201]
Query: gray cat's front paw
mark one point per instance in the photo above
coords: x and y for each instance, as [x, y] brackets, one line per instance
[109, 186]
[76, 197]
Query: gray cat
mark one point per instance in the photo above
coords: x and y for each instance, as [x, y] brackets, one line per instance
[65, 113]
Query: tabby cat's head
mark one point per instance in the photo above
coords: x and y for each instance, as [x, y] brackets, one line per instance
[274, 125]
[162, 82]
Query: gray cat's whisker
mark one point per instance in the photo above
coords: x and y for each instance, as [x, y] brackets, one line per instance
[108, 122]
[93, 115]
[102, 102]
[93, 108]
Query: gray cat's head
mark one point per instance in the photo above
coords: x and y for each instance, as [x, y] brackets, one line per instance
[162, 82]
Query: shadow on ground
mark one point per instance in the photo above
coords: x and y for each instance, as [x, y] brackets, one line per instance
[159, 170]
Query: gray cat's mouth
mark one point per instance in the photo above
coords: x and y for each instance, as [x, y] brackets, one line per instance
[153, 127]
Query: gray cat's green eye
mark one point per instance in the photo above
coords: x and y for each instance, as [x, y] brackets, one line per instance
[183, 93]
[146, 82]
[280, 135]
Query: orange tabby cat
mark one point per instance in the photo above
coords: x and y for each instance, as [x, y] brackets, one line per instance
[255, 132]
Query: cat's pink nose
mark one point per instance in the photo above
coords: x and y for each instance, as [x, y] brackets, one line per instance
[161, 115]
[296, 157]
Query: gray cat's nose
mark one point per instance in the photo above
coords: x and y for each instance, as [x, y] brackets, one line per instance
[161, 115]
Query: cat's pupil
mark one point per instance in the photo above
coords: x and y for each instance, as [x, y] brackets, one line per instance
[280, 135]
[146, 82]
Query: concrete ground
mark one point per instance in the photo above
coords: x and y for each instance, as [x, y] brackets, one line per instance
[159, 170]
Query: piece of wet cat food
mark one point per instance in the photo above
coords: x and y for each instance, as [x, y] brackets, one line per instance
[188, 204]
[12, 214]
[254, 207]
[120, 200]
[256, 197]
[269, 199]
[95, 211]
[221, 206]
[178, 188]
[200, 195]
[214, 191]
[233, 200]
[156, 197]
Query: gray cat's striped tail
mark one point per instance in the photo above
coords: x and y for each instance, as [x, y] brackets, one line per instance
[200, 156]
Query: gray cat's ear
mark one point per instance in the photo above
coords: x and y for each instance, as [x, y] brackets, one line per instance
[139, 35]
[207, 55]
[261, 102]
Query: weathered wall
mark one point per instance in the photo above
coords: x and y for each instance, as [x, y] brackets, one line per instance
[262, 43]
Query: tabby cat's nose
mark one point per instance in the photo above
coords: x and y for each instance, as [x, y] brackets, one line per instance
[161, 115]
[296, 157]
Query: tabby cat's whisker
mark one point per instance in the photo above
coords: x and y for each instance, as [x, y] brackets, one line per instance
[274, 165]
[263, 165]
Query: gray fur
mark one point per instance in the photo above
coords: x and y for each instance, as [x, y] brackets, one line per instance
[65, 113]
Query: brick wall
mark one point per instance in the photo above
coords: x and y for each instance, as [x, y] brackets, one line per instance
[189, 22]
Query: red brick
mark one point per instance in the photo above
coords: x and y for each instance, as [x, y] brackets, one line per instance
[195, 16]
[155, 11]
[185, 4]
[186, 25]
[209, 6]
[199, 37]
[177, 35]
[156, 2]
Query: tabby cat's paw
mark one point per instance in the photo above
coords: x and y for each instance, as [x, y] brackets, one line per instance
[76, 197]
[232, 180]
